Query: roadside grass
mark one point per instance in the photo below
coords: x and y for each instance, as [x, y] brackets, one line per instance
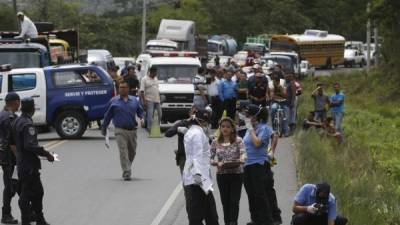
[364, 171]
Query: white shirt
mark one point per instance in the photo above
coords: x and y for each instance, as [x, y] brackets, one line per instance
[212, 89]
[271, 83]
[197, 149]
[28, 29]
[150, 88]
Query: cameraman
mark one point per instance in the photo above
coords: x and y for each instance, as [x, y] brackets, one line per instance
[315, 205]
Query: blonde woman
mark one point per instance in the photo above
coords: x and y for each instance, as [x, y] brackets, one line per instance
[228, 155]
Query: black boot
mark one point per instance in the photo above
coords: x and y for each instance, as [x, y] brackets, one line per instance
[8, 219]
[41, 221]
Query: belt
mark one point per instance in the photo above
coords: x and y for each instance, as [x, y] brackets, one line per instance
[127, 128]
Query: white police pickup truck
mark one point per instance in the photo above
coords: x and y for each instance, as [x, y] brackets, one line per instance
[66, 97]
[175, 71]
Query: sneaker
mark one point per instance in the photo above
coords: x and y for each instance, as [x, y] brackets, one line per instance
[8, 219]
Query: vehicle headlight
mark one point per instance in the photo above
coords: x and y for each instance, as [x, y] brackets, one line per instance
[163, 98]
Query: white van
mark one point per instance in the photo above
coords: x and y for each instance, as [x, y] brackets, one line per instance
[175, 72]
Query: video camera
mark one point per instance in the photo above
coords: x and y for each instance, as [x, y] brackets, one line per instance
[322, 198]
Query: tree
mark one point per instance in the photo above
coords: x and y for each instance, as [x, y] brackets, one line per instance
[8, 18]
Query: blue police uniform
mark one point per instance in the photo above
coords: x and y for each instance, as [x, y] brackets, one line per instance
[8, 162]
[259, 180]
[228, 93]
[28, 164]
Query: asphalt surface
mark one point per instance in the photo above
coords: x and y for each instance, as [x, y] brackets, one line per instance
[86, 188]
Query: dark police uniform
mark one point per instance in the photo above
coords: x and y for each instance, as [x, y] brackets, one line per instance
[28, 163]
[8, 162]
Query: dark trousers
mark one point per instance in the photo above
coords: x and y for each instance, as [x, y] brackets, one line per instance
[310, 219]
[230, 107]
[31, 197]
[259, 185]
[201, 206]
[10, 188]
[216, 106]
[230, 189]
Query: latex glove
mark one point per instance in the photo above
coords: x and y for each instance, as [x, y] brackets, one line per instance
[50, 157]
[197, 179]
[182, 130]
[312, 209]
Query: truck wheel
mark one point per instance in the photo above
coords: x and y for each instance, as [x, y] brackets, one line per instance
[70, 124]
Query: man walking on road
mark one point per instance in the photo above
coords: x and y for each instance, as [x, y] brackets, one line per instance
[337, 107]
[28, 163]
[150, 96]
[8, 156]
[123, 110]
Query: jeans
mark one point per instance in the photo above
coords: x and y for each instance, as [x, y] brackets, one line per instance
[216, 106]
[200, 206]
[230, 107]
[309, 219]
[230, 188]
[286, 112]
[337, 121]
[320, 115]
[151, 107]
[259, 185]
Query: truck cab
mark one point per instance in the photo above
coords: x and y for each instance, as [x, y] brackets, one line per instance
[175, 72]
[24, 55]
[66, 97]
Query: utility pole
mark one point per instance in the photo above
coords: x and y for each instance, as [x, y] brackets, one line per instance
[368, 38]
[376, 42]
[15, 11]
[144, 24]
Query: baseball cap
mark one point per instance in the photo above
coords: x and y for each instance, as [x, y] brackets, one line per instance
[12, 96]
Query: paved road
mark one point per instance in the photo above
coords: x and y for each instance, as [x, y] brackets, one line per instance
[86, 188]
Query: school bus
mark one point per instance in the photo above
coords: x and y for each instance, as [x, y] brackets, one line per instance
[318, 47]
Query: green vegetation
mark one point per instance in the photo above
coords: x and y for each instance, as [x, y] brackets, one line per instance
[364, 171]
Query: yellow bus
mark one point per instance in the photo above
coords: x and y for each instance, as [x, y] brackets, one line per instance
[318, 47]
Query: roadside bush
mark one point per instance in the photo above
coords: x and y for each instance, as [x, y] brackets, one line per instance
[364, 170]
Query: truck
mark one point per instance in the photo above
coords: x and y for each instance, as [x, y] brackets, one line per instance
[67, 97]
[62, 46]
[222, 45]
[258, 44]
[183, 32]
[176, 72]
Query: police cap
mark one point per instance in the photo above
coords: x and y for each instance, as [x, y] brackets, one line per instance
[253, 110]
[12, 96]
[27, 104]
[203, 115]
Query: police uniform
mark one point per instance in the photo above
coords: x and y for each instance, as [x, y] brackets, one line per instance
[7, 160]
[28, 163]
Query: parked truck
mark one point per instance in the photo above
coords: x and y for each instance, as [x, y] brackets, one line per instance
[222, 45]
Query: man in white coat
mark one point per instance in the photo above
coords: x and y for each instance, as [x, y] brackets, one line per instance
[196, 176]
[28, 28]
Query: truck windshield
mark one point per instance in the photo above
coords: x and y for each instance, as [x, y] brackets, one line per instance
[20, 59]
[213, 47]
[176, 74]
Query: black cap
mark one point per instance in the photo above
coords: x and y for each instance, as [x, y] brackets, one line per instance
[323, 191]
[12, 96]
[203, 114]
[27, 105]
[253, 110]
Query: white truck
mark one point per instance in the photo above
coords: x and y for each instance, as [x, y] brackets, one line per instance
[180, 31]
[175, 72]
[353, 57]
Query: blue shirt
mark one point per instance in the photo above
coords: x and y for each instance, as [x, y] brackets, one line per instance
[123, 113]
[258, 155]
[307, 196]
[227, 90]
[335, 98]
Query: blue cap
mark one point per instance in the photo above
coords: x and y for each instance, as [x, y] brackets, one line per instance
[12, 96]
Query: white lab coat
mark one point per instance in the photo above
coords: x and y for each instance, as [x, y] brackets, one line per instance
[28, 29]
[197, 149]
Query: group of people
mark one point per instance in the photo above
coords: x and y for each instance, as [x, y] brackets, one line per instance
[19, 147]
[318, 118]
[230, 85]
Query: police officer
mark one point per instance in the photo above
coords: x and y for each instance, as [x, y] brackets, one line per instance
[28, 163]
[7, 155]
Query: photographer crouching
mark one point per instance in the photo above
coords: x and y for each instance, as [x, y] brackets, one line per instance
[315, 205]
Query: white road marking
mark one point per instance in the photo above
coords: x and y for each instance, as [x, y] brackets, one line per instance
[160, 216]
[55, 144]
